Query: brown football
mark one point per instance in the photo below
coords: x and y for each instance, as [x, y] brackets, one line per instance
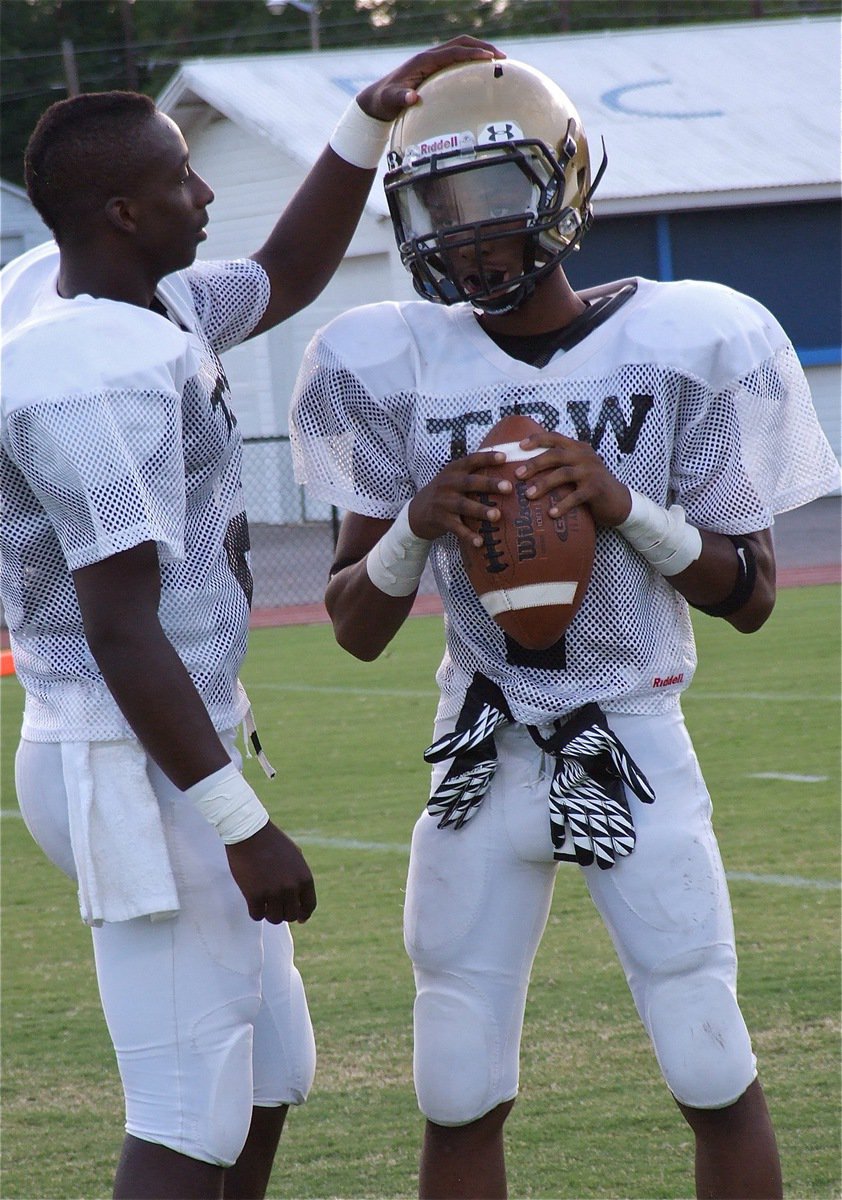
[532, 570]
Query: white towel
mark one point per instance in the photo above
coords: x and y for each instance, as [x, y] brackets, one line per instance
[117, 835]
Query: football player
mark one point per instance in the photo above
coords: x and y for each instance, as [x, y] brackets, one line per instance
[679, 413]
[126, 587]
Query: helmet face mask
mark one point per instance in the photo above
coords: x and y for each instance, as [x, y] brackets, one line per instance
[450, 203]
[461, 195]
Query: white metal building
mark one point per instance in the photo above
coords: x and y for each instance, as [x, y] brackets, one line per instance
[20, 226]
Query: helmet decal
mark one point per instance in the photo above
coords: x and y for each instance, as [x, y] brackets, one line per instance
[499, 131]
[440, 143]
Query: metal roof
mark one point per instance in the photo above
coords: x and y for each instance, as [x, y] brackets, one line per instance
[692, 116]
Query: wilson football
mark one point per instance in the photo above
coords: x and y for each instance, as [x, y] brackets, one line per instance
[532, 570]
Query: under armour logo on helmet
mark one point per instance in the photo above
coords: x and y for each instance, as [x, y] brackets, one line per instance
[500, 131]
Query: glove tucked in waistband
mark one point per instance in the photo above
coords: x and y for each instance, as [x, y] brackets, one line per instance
[587, 795]
[474, 753]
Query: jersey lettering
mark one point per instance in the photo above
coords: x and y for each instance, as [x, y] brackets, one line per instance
[545, 414]
[221, 390]
[627, 433]
[457, 427]
[611, 414]
[237, 544]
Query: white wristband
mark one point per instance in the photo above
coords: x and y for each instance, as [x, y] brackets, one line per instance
[229, 803]
[662, 535]
[396, 563]
[359, 138]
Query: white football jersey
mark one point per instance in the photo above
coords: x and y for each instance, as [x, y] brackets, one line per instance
[117, 429]
[690, 393]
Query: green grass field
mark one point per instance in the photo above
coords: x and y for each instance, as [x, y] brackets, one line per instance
[593, 1118]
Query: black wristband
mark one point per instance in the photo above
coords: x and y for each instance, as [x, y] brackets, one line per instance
[746, 578]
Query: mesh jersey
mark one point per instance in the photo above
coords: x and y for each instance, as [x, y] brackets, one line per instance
[689, 392]
[117, 429]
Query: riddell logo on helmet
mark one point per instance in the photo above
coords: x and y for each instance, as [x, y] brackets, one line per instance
[443, 143]
[669, 681]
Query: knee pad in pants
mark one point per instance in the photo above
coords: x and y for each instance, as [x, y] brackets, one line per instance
[697, 1029]
[460, 1073]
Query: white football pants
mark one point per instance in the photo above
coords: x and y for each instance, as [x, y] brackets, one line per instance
[207, 1011]
[477, 903]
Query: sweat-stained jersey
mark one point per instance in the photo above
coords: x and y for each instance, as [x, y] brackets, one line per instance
[690, 393]
[117, 429]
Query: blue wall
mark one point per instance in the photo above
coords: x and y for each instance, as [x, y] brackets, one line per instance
[789, 257]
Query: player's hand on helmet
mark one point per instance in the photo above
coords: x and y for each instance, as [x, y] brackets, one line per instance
[387, 97]
[471, 746]
[587, 795]
[459, 498]
[568, 461]
[272, 873]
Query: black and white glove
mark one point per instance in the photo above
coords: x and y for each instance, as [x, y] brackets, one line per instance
[471, 746]
[587, 793]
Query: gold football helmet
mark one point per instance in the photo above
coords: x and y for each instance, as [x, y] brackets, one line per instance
[490, 149]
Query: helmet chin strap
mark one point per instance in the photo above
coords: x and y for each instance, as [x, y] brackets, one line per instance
[506, 303]
[516, 295]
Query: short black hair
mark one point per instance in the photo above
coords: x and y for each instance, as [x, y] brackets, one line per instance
[82, 152]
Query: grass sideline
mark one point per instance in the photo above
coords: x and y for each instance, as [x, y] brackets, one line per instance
[593, 1118]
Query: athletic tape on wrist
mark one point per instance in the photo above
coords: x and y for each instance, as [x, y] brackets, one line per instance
[229, 803]
[396, 563]
[359, 138]
[662, 535]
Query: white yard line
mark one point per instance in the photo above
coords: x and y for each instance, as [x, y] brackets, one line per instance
[787, 776]
[821, 885]
[308, 838]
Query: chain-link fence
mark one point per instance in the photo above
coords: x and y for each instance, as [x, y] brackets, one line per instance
[292, 536]
[291, 552]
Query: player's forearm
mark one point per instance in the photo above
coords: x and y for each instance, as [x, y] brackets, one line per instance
[118, 600]
[717, 575]
[728, 577]
[374, 580]
[364, 618]
[159, 700]
[310, 238]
